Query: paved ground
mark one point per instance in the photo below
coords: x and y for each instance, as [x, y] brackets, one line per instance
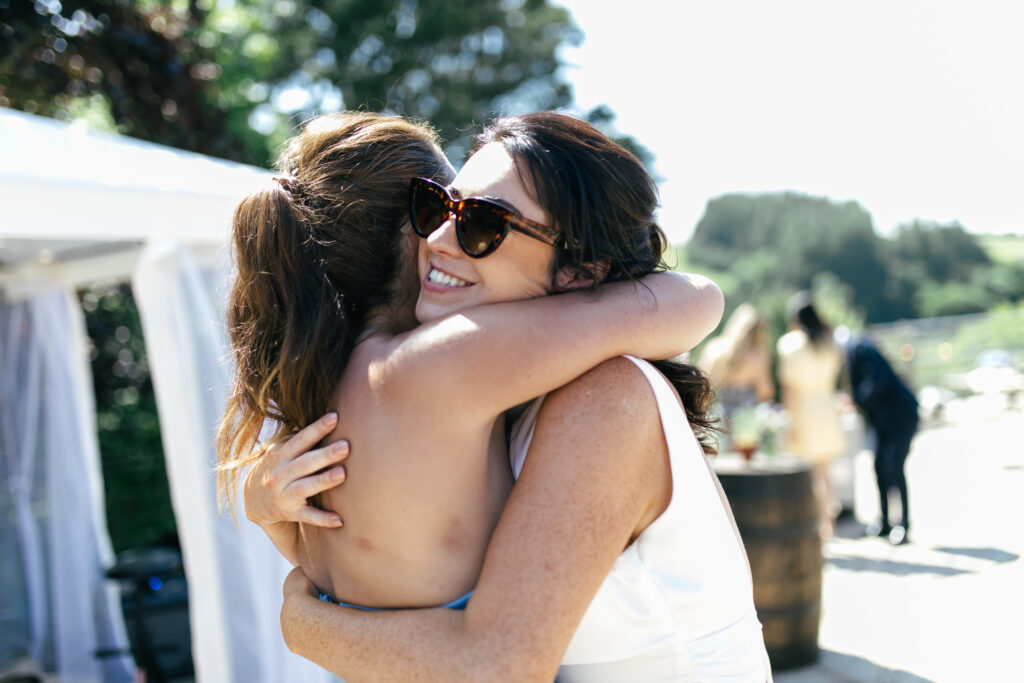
[949, 605]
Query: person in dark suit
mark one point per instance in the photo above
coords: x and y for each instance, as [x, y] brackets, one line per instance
[890, 409]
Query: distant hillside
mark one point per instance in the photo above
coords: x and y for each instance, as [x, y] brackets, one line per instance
[771, 245]
[1003, 248]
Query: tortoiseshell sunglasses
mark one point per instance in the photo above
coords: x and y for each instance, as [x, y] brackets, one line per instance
[480, 224]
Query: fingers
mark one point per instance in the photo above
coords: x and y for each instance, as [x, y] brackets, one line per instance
[278, 486]
[306, 438]
[315, 517]
[314, 461]
[308, 487]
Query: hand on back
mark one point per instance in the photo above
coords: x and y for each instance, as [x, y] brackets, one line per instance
[279, 484]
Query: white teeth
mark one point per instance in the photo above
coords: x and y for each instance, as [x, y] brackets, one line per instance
[444, 279]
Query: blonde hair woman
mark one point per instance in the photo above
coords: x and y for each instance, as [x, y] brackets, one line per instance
[739, 362]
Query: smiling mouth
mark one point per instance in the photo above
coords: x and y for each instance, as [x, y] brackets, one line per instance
[437, 277]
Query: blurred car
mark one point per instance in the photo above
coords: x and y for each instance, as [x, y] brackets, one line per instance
[994, 372]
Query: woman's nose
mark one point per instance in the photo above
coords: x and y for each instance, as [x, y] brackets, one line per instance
[444, 240]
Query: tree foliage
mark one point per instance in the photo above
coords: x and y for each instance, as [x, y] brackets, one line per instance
[939, 252]
[774, 244]
[781, 241]
[138, 61]
[137, 496]
[232, 79]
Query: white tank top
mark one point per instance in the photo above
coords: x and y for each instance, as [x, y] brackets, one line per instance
[678, 603]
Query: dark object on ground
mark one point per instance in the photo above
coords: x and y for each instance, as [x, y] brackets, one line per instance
[21, 671]
[155, 604]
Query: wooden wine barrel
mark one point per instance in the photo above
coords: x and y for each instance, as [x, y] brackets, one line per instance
[773, 502]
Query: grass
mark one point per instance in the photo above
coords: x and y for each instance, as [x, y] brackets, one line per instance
[1003, 248]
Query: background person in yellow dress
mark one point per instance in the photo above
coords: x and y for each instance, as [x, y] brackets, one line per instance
[809, 367]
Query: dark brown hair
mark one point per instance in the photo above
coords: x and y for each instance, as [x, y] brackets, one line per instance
[602, 200]
[315, 254]
[802, 312]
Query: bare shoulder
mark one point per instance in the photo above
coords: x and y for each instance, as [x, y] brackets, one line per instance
[613, 404]
[605, 426]
[379, 361]
[616, 385]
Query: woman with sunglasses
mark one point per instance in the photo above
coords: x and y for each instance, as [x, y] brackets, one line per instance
[321, 318]
[616, 555]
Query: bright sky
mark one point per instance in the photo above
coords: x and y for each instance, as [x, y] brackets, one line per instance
[913, 108]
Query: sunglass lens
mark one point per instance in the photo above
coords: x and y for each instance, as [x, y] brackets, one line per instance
[482, 227]
[427, 210]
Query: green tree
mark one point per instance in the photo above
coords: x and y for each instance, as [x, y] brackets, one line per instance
[944, 270]
[137, 496]
[833, 299]
[136, 60]
[780, 242]
[773, 244]
[986, 288]
[950, 298]
[1003, 281]
[942, 253]
[233, 79]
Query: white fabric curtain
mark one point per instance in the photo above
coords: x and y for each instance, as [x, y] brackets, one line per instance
[234, 573]
[57, 609]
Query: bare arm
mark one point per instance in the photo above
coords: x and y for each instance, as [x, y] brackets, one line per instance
[596, 475]
[489, 358]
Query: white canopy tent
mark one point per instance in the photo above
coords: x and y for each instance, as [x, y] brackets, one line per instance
[77, 206]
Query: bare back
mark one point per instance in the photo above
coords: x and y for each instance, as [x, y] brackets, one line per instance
[426, 488]
[428, 474]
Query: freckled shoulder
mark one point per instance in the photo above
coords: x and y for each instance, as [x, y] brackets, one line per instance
[607, 414]
[616, 387]
[605, 426]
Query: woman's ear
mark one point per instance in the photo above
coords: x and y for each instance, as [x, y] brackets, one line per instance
[584, 277]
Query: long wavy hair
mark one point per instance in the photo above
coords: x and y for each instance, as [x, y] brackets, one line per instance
[315, 254]
[602, 200]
